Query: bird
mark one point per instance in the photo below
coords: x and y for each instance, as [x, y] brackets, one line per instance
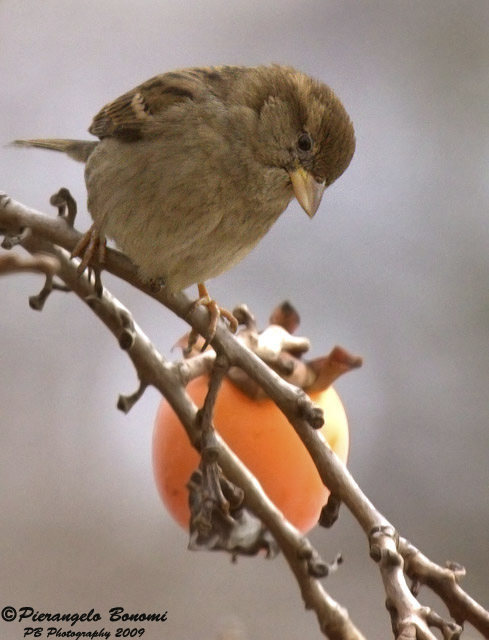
[193, 167]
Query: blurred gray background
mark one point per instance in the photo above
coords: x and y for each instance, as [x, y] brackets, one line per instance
[394, 267]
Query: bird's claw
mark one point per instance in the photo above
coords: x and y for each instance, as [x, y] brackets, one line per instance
[90, 248]
[215, 312]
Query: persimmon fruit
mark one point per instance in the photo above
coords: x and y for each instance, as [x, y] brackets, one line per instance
[258, 432]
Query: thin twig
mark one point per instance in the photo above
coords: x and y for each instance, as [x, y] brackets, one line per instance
[444, 581]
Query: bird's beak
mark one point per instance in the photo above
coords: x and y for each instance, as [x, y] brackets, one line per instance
[307, 190]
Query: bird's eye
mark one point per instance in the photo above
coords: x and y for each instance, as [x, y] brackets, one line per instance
[304, 142]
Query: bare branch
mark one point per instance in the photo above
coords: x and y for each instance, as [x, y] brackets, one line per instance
[395, 556]
[37, 263]
[444, 581]
[168, 379]
[409, 618]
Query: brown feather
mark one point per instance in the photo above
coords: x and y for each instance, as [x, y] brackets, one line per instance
[131, 116]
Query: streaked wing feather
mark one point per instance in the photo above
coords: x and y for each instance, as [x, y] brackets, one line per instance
[134, 112]
[132, 115]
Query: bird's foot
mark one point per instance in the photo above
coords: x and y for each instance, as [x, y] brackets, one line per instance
[90, 248]
[215, 312]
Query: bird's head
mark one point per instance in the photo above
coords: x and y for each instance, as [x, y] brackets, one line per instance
[304, 130]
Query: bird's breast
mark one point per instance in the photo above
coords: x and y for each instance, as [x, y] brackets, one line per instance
[182, 213]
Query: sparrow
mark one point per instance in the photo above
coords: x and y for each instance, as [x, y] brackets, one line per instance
[193, 167]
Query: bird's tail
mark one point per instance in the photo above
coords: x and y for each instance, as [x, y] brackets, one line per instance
[79, 150]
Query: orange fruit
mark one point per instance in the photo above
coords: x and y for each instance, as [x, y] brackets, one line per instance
[258, 432]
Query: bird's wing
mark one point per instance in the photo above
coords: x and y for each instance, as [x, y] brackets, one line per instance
[135, 114]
